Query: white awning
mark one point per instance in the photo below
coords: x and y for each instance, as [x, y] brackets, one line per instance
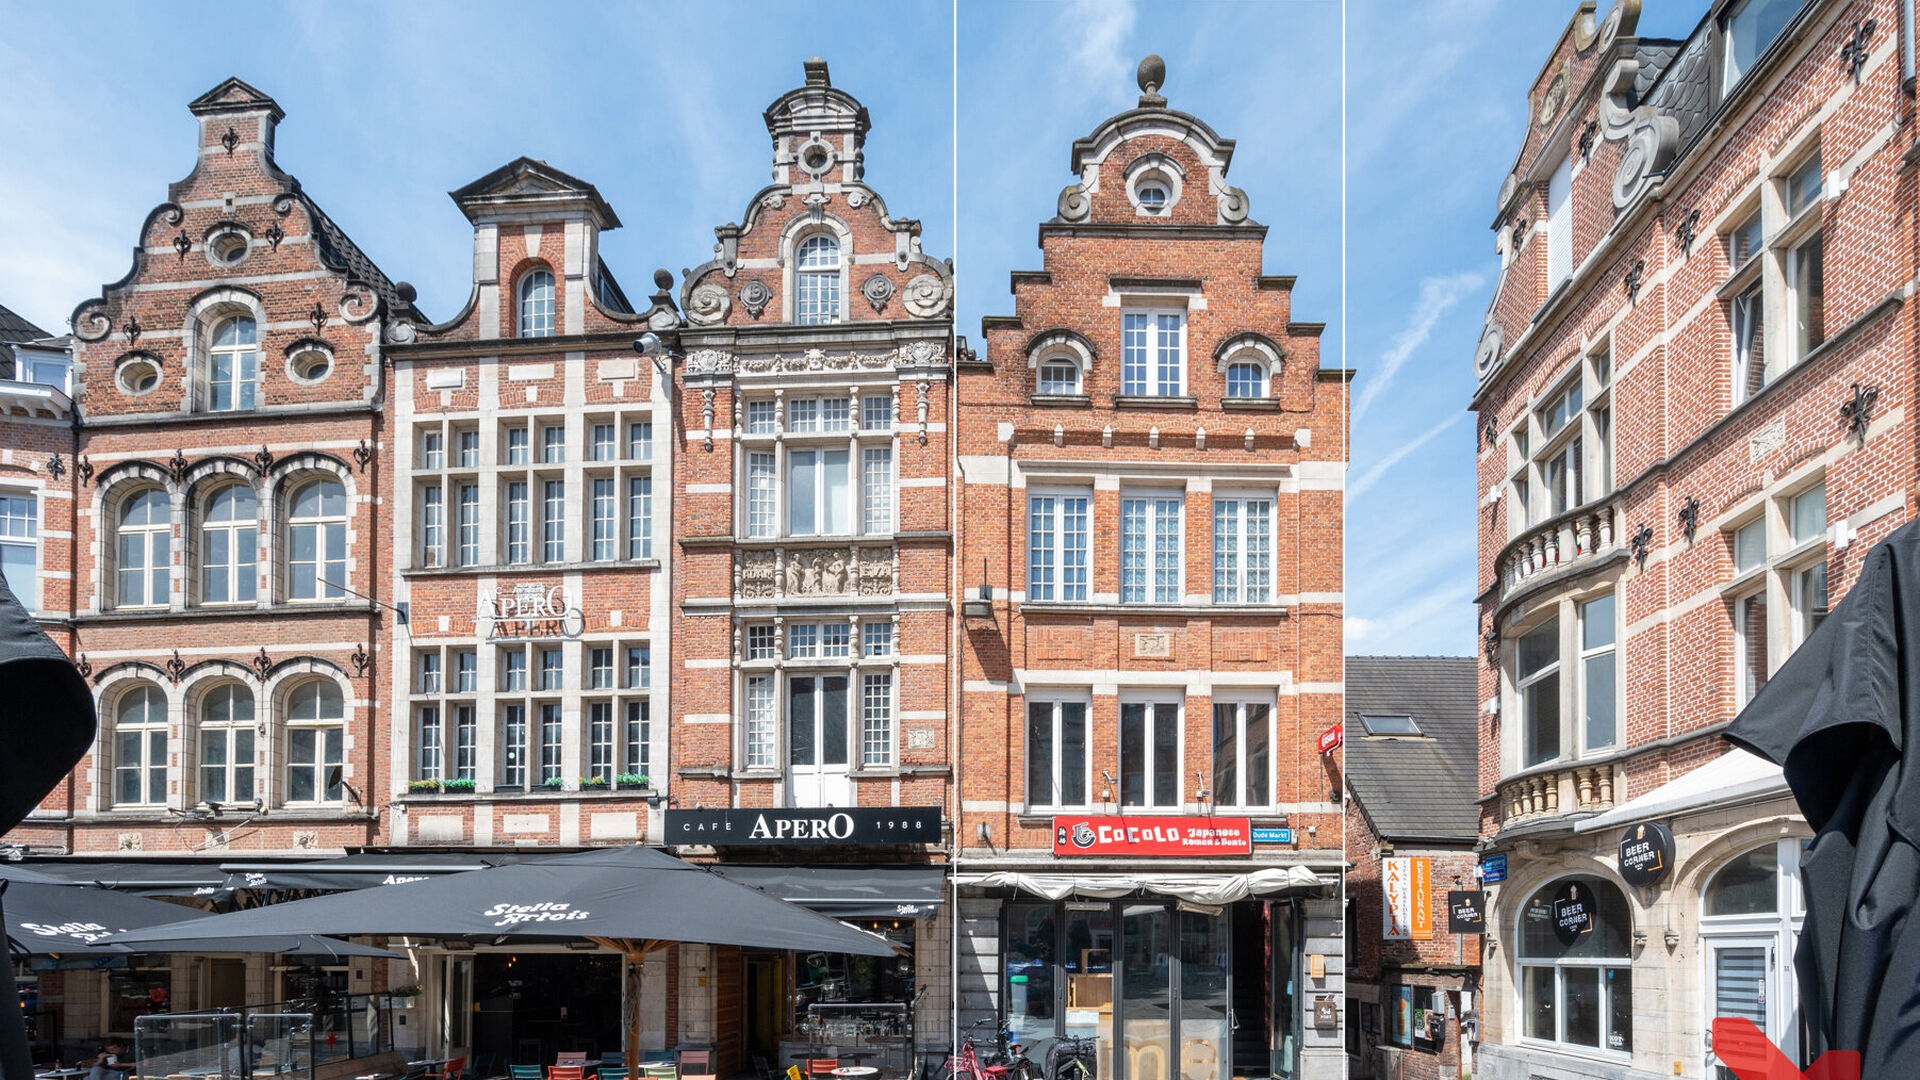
[1733, 775]
[1198, 888]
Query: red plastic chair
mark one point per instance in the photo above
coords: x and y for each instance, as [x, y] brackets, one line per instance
[822, 1066]
[452, 1070]
[567, 1072]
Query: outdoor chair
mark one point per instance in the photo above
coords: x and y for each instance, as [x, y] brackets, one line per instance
[694, 1062]
[524, 1072]
[567, 1072]
[660, 1071]
[612, 1072]
[822, 1066]
[571, 1057]
[452, 1070]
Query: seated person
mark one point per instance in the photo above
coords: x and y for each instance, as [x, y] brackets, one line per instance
[111, 1063]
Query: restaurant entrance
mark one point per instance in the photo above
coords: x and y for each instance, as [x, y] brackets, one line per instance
[528, 1007]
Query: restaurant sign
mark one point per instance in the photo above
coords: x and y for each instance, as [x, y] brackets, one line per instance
[1408, 884]
[530, 611]
[808, 826]
[1646, 854]
[1080, 834]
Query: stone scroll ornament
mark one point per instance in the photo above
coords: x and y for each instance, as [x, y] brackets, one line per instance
[1651, 137]
[708, 305]
[926, 296]
[878, 290]
[755, 296]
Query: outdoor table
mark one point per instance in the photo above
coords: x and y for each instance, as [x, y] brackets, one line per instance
[63, 1074]
[856, 1072]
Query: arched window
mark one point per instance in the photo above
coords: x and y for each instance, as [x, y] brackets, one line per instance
[143, 539]
[1059, 375]
[816, 281]
[1574, 966]
[230, 546]
[1750, 916]
[140, 748]
[233, 365]
[317, 542]
[1246, 379]
[536, 304]
[226, 744]
[316, 735]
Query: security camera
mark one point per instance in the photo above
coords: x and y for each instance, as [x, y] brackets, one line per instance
[646, 343]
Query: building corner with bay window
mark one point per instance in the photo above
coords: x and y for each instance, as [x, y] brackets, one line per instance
[1149, 514]
[1684, 453]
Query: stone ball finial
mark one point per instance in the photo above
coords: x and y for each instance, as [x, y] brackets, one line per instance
[405, 291]
[662, 280]
[1152, 76]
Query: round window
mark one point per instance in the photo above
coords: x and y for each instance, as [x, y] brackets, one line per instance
[310, 365]
[816, 159]
[228, 248]
[1153, 197]
[138, 376]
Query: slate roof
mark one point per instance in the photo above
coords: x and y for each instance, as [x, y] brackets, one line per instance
[15, 329]
[1683, 89]
[339, 251]
[1415, 787]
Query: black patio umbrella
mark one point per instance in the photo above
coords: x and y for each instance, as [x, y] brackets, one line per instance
[46, 725]
[634, 900]
[48, 916]
[1838, 717]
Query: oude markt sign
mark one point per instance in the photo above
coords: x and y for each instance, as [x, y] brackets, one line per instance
[818, 827]
[530, 611]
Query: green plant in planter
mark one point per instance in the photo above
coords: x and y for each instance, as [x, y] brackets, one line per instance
[553, 783]
[458, 785]
[406, 991]
[592, 782]
[633, 780]
[423, 785]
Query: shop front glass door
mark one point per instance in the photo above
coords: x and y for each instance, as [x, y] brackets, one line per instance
[1285, 1033]
[1146, 992]
[1740, 981]
[1206, 1046]
[817, 741]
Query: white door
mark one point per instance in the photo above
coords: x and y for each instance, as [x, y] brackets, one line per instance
[1742, 981]
[817, 741]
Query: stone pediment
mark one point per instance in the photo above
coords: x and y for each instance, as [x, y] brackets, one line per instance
[234, 95]
[527, 181]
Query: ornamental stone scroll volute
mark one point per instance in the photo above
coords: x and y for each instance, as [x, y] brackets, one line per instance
[1652, 137]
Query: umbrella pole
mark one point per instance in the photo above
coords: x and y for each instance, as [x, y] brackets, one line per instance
[636, 955]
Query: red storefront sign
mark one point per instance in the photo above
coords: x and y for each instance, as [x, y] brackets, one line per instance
[1083, 835]
[1330, 738]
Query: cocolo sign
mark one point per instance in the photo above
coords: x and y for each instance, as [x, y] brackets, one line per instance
[1646, 854]
[530, 611]
[827, 825]
[1152, 836]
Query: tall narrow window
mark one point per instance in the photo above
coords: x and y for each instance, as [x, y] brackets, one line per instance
[430, 672]
[513, 670]
[640, 440]
[1149, 754]
[233, 365]
[466, 742]
[140, 748]
[519, 549]
[1747, 314]
[517, 446]
[316, 739]
[876, 719]
[639, 738]
[230, 547]
[640, 666]
[469, 449]
[469, 551]
[600, 669]
[433, 526]
[604, 522]
[226, 744]
[430, 736]
[1150, 550]
[816, 281]
[1056, 752]
[761, 724]
[1598, 683]
[819, 498]
[1153, 353]
[600, 741]
[317, 542]
[513, 745]
[466, 672]
[763, 505]
[536, 304]
[553, 521]
[1560, 224]
[639, 517]
[552, 674]
[1242, 753]
[1538, 677]
[142, 545]
[876, 489]
[1242, 550]
[1057, 547]
[551, 731]
[1806, 287]
[433, 450]
[553, 444]
[20, 548]
[602, 447]
[1750, 667]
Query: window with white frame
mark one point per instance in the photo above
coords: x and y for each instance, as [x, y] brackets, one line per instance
[536, 304]
[466, 671]
[20, 547]
[517, 445]
[877, 638]
[1242, 549]
[876, 412]
[552, 670]
[142, 544]
[762, 722]
[1747, 29]
[1059, 376]
[1537, 678]
[513, 742]
[762, 418]
[763, 497]
[761, 644]
[1150, 753]
[316, 740]
[1246, 379]
[876, 719]
[640, 517]
[1776, 290]
[428, 736]
[802, 484]
[233, 365]
[640, 440]
[819, 494]
[604, 524]
[553, 444]
[876, 489]
[1153, 353]
[1057, 750]
[639, 739]
[1576, 992]
[600, 741]
[1057, 545]
[433, 525]
[1242, 753]
[601, 446]
[226, 744]
[469, 440]
[140, 747]
[468, 551]
[433, 450]
[519, 544]
[1560, 223]
[816, 280]
[553, 521]
[639, 666]
[430, 681]
[1599, 681]
[1561, 446]
[1751, 915]
[1150, 556]
[466, 742]
[1778, 594]
[317, 542]
[552, 731]
[230, 546]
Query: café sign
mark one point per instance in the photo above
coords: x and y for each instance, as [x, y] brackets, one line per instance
[1573, 913]
[530, 611]
[1466, 911]
[1646, 854]
[816, 827]
[1080, 834]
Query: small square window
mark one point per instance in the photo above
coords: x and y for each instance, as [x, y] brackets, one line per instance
[600, 669]
[1246, 379]
[836, 639]
[803, 415]
[1750, 545]
[603, 442]
[877, 638]
[760, 418]
[639, 667]
[469, 449]
[433, 450]
[1810, 514]
[876, 412]
[550, 671]
[553, 444]
[1060, 378]
[803, 640]
[1803, 185]
[760, 643]
[640, 440]
[517, 446]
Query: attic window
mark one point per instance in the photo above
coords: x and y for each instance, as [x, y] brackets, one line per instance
[1390, 725]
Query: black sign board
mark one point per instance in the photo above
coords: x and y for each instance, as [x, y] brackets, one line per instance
[821, 827]
[1466, 911]
[1572, 912]
[1646, 854]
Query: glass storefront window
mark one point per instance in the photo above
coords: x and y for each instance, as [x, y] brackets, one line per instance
[1029, 994]
[1577, 991]
[1206, 1049]
[1146, 1004]
[1088, 962]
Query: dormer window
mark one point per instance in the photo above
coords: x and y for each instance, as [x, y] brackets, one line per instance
[233, 365]
[1153, 198]
[1059, 377]
[1246, 379]
[1750, 28]
[536, 304]
[816, 285]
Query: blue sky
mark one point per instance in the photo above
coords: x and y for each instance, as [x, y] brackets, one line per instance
[391, 106]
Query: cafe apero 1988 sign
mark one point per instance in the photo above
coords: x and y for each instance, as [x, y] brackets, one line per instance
[530, 611]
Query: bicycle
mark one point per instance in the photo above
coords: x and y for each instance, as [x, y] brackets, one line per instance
[966, 1064]
[1067, 1059]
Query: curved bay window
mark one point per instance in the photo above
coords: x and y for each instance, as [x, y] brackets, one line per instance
[1574, 966]
[1750, 916]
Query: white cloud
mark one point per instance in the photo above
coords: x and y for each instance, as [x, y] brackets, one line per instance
[1415, 624]
[1099, 61]
[1437, 294]
[1379, 469]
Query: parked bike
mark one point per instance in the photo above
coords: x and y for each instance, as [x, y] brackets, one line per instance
[967, 1064]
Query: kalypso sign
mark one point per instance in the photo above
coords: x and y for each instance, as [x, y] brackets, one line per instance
[530, 611]
[817, 827]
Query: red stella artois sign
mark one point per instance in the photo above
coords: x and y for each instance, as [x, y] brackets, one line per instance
[1079, 835]
[1330, 738]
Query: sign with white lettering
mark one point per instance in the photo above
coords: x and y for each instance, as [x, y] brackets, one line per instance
[1110, 835]
[1646, 854]
[815, 827]
[529, 611]
[1573, 913]
[1407, 885]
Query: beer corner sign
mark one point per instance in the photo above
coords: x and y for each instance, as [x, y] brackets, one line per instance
[1646, 854]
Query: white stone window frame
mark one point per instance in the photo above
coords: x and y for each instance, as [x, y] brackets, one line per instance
[1258, 354]
[113, 694]
[1060, 347]
[226, 236]
[855, 438]
[126, 373]
[1154, 168]
[780, 666]
[1152, 700]
[31, 491]
[1583, 688]
[302, 354]
[279, 691]
[110, 508]
[1777, 576]
[1240, 700]
[204, 314]
[1777, 931]
[1529, 449]
[293, 476]
[1783, 235]
[1155, 386]
[1154, 496]
[533, 323]
[192, 748]
[796, 234]
[1236, 595]
[202, 485]
[1065, 488]
[1519, 962]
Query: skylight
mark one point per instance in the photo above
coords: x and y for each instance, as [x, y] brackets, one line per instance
[1390, 725]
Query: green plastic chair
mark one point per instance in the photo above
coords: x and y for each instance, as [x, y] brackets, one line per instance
[525, 1072]
[613, 1072]
[662, 1072]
